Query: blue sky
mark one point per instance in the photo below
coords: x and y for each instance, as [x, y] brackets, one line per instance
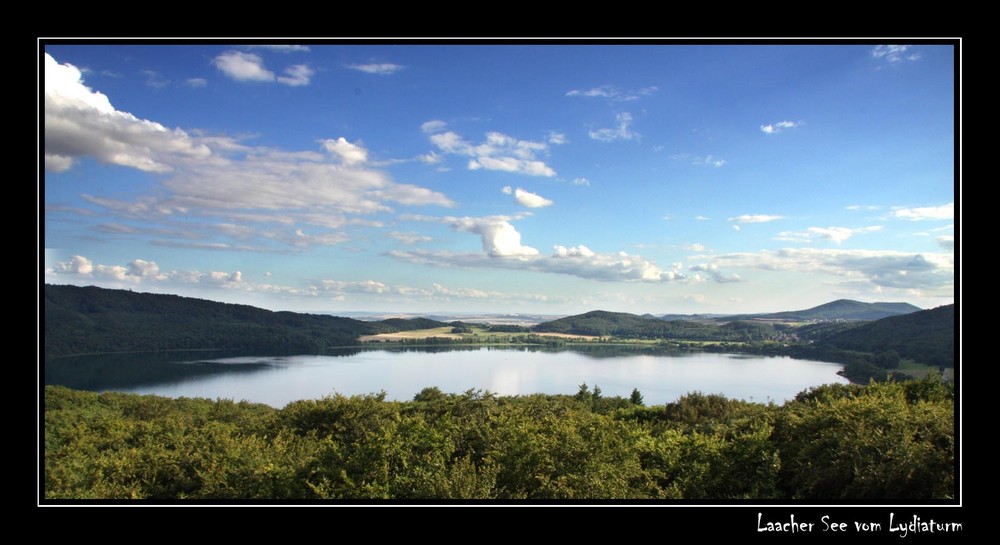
[550, 179]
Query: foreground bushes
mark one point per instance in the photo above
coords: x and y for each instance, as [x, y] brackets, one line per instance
[891, 440]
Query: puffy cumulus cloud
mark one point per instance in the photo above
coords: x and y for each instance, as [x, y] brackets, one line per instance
[780, 126]
[575, 251]
[943, 212]
[381, 69]
[346, 152]
[497, 152]
[137, 272]
[242, 66]
[833, 234]
[622, 131]
[82, 122]
[500, 238]
[947, 242]
[755, 218]
[612, 92]
[297, 75]
[894, 53]
[529, 199]
[928, 273]
[712, 271]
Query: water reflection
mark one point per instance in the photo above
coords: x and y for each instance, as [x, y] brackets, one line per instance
[661, 374]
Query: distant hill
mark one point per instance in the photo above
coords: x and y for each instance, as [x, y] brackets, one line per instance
[841, 309]
[927, 336]
[411, 324]
[91, 319]
[620, 324]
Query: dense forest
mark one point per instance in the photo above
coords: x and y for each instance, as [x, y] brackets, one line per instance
[630, 326]
[841, 309]
[88, 320]
[885, 441]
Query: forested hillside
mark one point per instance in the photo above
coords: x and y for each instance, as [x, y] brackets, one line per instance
[86, 320]
[883, 441]
[841, 309]
[630, 326]
[927, 336]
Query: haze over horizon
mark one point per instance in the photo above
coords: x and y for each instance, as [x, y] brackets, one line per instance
[549, 179]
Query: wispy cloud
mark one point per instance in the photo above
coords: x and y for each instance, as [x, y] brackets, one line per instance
[622, 131]
[943, 212]
[894, 53]
[612, 92]
[498, 152]
[755, 218]
[856, 207]
[381, 69]
[931, 274]
[712, 271]
[700, 160]
[433, 126]
[779, 126]
[833, 234]
[297, 75]
[155, 79]
[581, 181]
[702, 218]
[409, 238]
[196, 83]
[556, 138]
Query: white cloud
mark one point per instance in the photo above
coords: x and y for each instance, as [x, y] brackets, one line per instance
[834, 234]
[433, 126]
[530, 200]
[409, 238]
[755, 218]
[154, 79]
[621, 132]
[943, 212]
[856, 207]
[431, 158]
[894, 53]
[696, 247]
[947, 242]
[736, 227]
[297, 75]
[556, 138]
[499, 237]
[382, 69]
[712, 271]
[612, 92]
[242, 66]
[138, 271]
[497, 152]
[346, 152]
[581, 181]
[929, 273]
[82, 122]
[196, 83]
[780, 126]
[702, 218]
[507, 190]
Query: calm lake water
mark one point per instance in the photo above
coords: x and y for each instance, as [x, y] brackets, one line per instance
[662, 377]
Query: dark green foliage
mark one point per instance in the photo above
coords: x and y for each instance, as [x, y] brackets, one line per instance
[506, 328]
[926, 337]
[409, 324]
[891, 440]
[87, 320]
[630, 326]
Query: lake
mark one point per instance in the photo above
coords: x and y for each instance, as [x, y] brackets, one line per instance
[661, 376]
